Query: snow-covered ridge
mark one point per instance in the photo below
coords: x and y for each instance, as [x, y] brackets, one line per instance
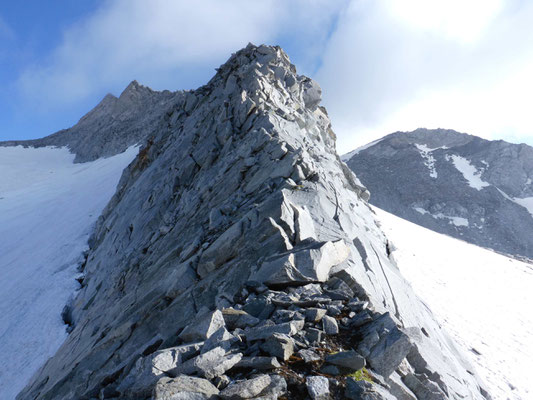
[352, 153]
[48, 206]
[483, 299]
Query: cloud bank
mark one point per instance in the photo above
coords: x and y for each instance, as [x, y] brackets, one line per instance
[384, 65]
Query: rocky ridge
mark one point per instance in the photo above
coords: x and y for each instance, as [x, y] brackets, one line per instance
[115, 124]
[239, 259]
[453, 183]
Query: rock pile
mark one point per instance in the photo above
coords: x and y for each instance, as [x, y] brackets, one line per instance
[239, 259]
[272, 344]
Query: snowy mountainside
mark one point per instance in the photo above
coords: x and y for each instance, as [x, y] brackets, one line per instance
[48, 206]
[482, 298]
[477, 190]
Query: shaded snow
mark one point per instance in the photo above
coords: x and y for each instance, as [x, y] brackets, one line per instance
[457, 221]
[482, 298]
[352, 153]
[470, 173]
[48, 206]
[526, 202]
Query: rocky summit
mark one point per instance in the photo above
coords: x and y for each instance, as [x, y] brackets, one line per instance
[239, 259]
[473, 189]
[115, 124]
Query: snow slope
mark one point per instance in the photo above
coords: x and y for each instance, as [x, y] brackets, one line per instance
[48, 206]
[484, 300]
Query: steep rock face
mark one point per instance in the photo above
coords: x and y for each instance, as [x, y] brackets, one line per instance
[115, 124]
[477, 190]
[240, 188]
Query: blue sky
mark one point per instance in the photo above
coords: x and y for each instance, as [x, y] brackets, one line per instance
[384, 65]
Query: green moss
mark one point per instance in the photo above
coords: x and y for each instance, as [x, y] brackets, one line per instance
[361, 375]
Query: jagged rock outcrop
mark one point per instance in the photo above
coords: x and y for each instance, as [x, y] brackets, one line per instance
[237, 255]
[473, 189]
[115, 124]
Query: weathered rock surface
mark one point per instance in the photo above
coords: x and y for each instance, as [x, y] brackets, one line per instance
[240, 173]
[453, 183]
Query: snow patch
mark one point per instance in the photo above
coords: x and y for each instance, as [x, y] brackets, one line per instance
[470, 173]
[526, 202]
[483, 299]
[457, 221]
[48, 206]
[352, 153]
[429, 160]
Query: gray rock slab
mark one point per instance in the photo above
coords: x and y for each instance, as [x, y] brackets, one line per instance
[318, 387]
[260, 363]
[203, 327]
[389, 352]
[330, 326]
[279, 345]
[247, 389]
[286, 328]
[346, 359]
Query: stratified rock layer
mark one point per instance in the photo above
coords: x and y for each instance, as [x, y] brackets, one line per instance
[240, 207]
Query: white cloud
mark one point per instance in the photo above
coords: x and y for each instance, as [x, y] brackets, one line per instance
[398, 65]
[163, 43]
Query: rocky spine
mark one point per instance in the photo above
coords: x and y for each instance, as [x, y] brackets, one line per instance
[239, 259]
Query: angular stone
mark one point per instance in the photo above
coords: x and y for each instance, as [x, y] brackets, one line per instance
[220, 338]
[308, 265]
[211, 364]
[314, 314]
[279, 345]
[203, 327]
[389, 352]
[329, 325]
[184, 387]
[287, 328]
[147, 370]
[309, 355]
[317, 387]
[276, 389]
[314, 335]
[261, 363]
[246, 389]
[346, 359]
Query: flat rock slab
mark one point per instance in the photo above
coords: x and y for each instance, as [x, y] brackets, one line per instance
[346, 359]
[247, 389]
[260, 363]
[287, 328]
